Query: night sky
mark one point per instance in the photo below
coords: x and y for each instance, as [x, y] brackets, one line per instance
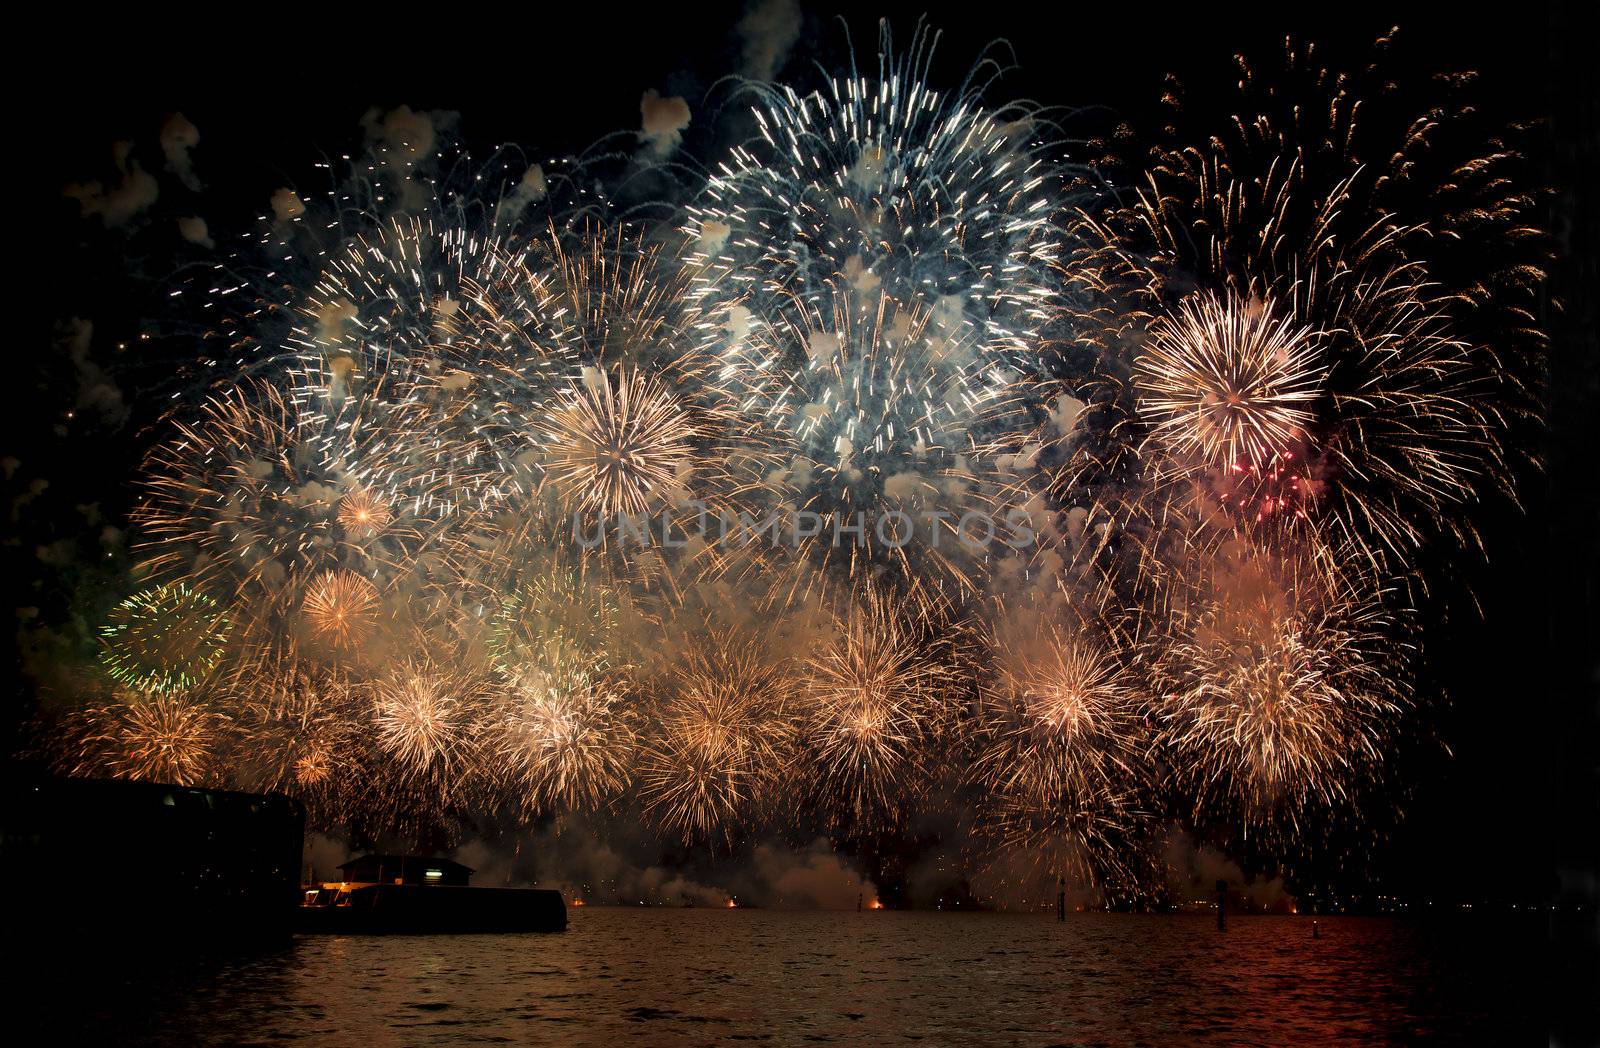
[271, 91]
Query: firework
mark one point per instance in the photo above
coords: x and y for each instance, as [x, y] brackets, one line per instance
[301, 722]
[440, 339]
[899, 431]
[363, 515]
[1057, 752]
[866, 710]
[164, 738]
[618, 300]
[885, 183]
[341, 607]
[1412, 379]
[1227, 384]
[564, 734]
[871, 273]
[1276, 680]
[648, 422]
[553, 608]
[1060, 709]
[164, 639]
[718, 752]
[618, 443]
[423, 717]
[241, 504]
[896, 371]
[221, 505]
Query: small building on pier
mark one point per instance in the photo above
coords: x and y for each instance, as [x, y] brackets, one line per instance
[405, 869]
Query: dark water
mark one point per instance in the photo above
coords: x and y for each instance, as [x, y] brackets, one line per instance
[648, 977]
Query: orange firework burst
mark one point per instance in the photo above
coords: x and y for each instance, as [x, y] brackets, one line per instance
[563, 733]
[618, 443]
[718, 752]
[865, 711]
[163, 739]
[1275, 680]
[1228, 383]
[423, 717]
[342, 607]
[1057, 749]
[363, 514]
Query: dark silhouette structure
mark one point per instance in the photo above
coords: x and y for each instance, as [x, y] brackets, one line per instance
[406, 869]
[166, 867]
[415, 894]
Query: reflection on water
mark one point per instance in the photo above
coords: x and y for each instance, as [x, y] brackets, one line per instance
[693, 977]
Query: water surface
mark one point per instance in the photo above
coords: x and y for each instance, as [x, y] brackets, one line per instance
[664, 977]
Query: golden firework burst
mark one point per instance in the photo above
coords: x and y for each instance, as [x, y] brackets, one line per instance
[719, 750]
[363, 515]
[342, 607]
[865, 717]
[618, 442]
[1228, 383]
[163, 738]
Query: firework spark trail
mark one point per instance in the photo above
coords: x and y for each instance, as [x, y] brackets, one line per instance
[866, 713]
[164, 639]
[564, 734]
[1276, 680]
[718, 754]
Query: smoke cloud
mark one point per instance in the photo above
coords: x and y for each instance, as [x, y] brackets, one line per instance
[768, 30]
[1193, 871]
[662, 121]
[585, 867]
[178, 138]
[135, 192]
[194, 230]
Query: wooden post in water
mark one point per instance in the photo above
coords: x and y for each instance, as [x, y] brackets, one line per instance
[1222, 905]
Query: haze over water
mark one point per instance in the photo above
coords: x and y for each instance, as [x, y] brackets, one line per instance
[656, 976]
